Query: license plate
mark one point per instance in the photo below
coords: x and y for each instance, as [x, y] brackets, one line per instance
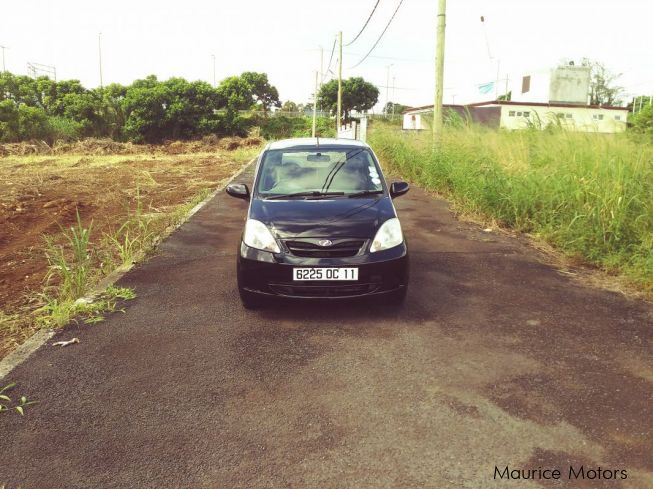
[330, 273]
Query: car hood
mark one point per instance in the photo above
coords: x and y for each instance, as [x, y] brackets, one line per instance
[339, 217]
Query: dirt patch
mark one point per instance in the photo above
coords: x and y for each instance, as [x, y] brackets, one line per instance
[41, 192]
[94, 147]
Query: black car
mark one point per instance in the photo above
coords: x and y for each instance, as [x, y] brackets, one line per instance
[321, 224]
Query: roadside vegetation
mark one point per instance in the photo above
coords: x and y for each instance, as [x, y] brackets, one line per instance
[74, 214]
[589, 195]
[148, 110]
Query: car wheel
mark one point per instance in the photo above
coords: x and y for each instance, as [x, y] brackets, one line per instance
[249, 300]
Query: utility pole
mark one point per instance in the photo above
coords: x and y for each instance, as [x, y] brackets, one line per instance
[315, 103]
[321, 64]
[489, 54]
[387, 89]
[439, 71]
[4, 68]
[99, 45]
[338, 116]
[213, 56]
[394, 100]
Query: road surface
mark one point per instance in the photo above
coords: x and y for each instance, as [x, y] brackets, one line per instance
[496, 359]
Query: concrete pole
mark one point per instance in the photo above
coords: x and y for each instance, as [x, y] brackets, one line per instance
[315, 104]
[439, 71]
[4, 68]
[321, 64]
[496, 84]
[387, 89]
[99, 44]
[214, 80]
[394, 99]
[339, 114]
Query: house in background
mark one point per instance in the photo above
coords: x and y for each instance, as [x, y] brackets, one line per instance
[582, 118]
[421, 117]
[560, 99]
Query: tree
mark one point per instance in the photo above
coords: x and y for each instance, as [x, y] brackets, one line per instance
[21, 122]
[394, 108]
[642, 119]
[289, 106]
[87, 109]
[235, 94]
[357, 94]
[603, 90]
[264, 94]
[9, 128]
[171, 109]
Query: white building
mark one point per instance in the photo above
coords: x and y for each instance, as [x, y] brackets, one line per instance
[522, 115]
[561, 98]
[582, 118]
[563, 84]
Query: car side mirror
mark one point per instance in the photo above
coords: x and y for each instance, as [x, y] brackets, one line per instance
[398, 188]
[238, 190]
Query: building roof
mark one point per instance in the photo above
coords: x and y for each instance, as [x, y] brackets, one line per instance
[511, 102]
[312, 142]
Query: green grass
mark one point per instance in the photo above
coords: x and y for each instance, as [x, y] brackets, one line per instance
[590, 195]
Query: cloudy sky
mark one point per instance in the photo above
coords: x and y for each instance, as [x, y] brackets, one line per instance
[283, 39]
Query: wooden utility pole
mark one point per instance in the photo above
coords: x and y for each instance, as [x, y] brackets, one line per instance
[339, 114]
[439, 71]
[315, 103]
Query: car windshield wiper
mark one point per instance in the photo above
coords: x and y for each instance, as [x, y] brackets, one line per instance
[363, 193]
[311, 193]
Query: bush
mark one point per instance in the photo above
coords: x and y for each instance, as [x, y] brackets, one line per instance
[283, 127]
[62, 129]
[22, 122]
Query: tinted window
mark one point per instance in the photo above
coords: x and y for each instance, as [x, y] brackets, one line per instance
[345, 170]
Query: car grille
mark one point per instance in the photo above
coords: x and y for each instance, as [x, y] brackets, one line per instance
[324, 290]
[339, 249]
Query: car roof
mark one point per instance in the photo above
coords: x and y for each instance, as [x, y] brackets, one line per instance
[313, 142]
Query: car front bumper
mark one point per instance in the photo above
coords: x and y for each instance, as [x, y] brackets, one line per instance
[271, 274]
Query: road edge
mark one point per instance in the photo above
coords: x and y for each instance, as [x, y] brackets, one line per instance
[41, 337]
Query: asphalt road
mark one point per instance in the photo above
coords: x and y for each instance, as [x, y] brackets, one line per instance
[495, 359]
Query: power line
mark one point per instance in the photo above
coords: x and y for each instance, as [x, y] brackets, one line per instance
[380, 37]
[333, 50]
[393, 58]
[364, 26]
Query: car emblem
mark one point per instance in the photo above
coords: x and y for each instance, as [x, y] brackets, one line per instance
[325, 242]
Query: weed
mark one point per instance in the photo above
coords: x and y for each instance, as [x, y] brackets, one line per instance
[7, 404]
[58, 313]
[591, 195]
[71, 272]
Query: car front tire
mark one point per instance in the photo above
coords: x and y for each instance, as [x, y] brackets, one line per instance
[397, 297]
[250, 300]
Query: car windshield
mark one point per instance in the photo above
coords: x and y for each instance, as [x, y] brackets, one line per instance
[343, 171]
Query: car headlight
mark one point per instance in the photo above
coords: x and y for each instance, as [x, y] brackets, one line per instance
[257, 235]
[388, 236]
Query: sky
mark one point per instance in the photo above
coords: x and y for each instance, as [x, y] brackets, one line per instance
[283, 38]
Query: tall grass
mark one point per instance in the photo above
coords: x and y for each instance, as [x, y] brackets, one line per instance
[591, 195]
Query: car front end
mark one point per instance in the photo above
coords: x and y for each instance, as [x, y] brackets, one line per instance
[321, 224]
